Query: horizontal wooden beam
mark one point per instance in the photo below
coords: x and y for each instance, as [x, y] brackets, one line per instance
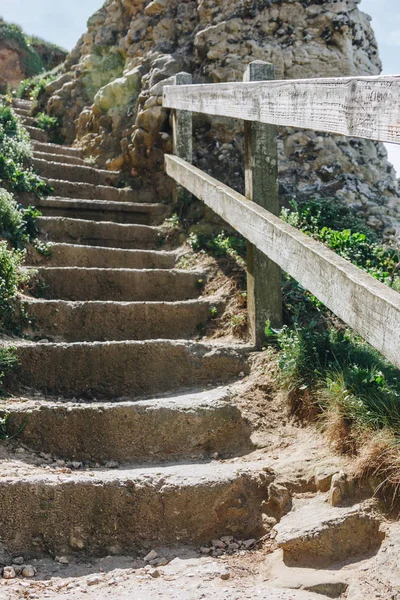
[369, 307]
[365, 107]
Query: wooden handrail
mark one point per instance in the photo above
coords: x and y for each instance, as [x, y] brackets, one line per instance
[365, 107]
[370, 307]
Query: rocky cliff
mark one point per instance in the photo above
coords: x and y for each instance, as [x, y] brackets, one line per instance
[22, 56]
[109, 97]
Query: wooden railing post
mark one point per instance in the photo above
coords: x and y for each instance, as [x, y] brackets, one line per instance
[182, 127]
[264, 294]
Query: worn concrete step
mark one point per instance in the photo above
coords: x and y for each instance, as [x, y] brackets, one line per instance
[75, 173]
[134, 369]
[59, 158]
[316, 535]
[37, 134]
[111, 512]
[80, 283]
[88, 191]
[22, 112]
[61, 320]
[23, 104]
[56, 149]
[94, 233]
[190, 426]
[103, 210]
[72, 255]
[28, 120]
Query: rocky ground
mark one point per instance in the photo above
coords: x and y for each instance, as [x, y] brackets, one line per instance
[314, 549]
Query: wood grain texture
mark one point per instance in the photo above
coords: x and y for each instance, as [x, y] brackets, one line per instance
[371, 308]
[365, 107]
[264, 289]
[182, 139]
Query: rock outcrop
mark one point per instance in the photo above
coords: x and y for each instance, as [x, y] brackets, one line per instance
[110, 95]
[22, 56]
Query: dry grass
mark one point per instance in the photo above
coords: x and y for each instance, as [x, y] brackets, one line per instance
[379, 458]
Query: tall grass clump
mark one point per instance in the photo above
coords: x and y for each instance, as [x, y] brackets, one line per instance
[332, 375]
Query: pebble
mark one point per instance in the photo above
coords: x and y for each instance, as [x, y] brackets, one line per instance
[94, 580]
[76, 464]
[150, 556]
[218, 544]
[154, 573]
[248, 543]
[28, 571]
[112, 464]
[9, 573]
[18, 561]
[62, 560]
[227, 539]
[205, 550]
[225, 575]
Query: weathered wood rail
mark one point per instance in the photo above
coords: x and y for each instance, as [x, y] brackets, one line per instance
[363, 107]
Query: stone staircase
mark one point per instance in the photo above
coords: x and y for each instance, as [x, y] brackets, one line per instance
[111, 377]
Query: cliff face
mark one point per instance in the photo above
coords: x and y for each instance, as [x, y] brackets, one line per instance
[22, 57]
[110, 97]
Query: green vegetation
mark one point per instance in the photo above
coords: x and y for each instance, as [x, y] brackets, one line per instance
[33, 87]
[335, 226]
[15, 152]
[330, 372]
[8, 363]
[17, 222]
[51, 125]
[219, 245]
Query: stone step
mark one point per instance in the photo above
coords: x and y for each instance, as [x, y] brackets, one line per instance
[315, 534]
[22, 112]
[28, 120]
[23, 104]
[191, 426]
[80, 283]
[60, 158]
[111, 512]
[103, 210]
[133, 370]
[75, 173]
[36, 134]
[72, 255]
[60, 320]
[88, 191]
[57, 149]
[94, 233]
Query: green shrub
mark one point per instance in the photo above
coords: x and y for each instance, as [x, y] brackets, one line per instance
[15, 152]
[8, 363]
[219, 245]
[51, 125]
[34, 87]
[12, 277]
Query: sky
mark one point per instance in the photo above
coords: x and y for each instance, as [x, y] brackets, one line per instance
[53, 20]
[64, 22]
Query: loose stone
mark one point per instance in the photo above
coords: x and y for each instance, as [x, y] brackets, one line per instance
[150, 556]
[28, 571]
[9, 573]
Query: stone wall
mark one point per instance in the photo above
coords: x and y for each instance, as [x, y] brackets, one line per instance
[110, 96]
